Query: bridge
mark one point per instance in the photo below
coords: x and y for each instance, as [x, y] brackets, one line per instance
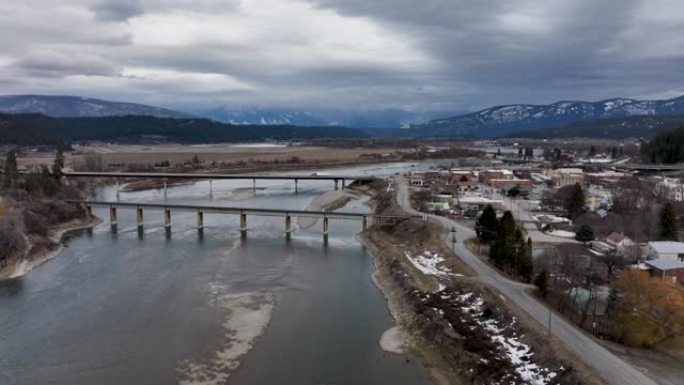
[209, 176]
[242, 211]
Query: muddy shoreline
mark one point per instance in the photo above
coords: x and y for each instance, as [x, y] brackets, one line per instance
[34, 257]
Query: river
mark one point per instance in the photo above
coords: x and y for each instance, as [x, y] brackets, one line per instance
[131, 307]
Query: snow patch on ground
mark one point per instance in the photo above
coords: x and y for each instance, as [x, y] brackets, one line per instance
[518, 353]
[561, 233]
[429, 264]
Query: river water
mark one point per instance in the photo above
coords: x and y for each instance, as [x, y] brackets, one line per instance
[130, 307]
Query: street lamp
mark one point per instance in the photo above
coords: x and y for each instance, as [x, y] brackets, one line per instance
[453, 238]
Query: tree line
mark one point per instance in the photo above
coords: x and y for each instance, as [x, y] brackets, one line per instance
[34, 129]
[509, 250]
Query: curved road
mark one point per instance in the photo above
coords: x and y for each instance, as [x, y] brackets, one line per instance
[612, 369]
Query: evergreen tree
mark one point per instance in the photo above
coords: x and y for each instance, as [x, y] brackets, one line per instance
[11, 171]
[667, 224]
[584, 234]
[614, 152]
[486, 225]
[541, 281]
[520, 152]
[58, 163]
[575, 202]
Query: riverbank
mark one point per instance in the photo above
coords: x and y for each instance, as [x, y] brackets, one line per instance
[39, 251]
[460, 329]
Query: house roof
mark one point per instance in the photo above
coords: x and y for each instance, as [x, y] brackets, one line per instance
[667, 247]
[615, 237]
[665, 264]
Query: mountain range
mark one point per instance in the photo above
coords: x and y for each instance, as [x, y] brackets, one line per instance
[524, 118]
[59, 106]
[612, 118]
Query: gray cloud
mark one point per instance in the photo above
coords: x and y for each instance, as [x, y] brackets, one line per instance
[432, 55]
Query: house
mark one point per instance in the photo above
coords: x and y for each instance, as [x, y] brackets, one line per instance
[606, 178]
[438, 206]
[667, 269]
[666, 250]
[566, 176]
[670, 188]
[477, 202]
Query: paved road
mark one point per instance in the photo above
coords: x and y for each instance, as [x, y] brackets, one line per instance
[611, 368]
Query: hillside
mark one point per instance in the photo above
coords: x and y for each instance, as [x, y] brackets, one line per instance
[31, 129]
[616, 128]
[511, 119]
[77, 107]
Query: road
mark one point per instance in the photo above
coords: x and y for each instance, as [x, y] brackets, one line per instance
[612, 369]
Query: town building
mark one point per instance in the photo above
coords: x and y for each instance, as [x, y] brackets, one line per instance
[667, 269]
[671, 189]
[666, 250]
[566, 176]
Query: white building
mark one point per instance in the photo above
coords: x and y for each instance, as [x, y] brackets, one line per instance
[666, 250]
[671, 189]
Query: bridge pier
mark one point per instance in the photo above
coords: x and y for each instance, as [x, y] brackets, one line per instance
[288, 226]
[254, 185]
[336, 188]
[243, 224]
[112, 216]
[165, 194]
[296, 183]
[325, 229]
[139, 216]
[211, 190]
[89, 211]
[200, 220]
[116, 187]
[167, 219]
[364, 223]
[343, 184]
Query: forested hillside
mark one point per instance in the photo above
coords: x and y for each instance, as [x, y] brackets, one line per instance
[29, 129]
[666, 147]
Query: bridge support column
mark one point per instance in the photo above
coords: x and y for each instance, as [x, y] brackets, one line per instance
[288, 226]
[336, 187]
[254, 186]
[89, 211]
[325, 229]
[112, 216]
[139, 212]
[167, 219]
[364, 223]
[200, 220]
[211, 190]
[343, 184]
[116, 187]
[296, 183]
[243, 224]
[165, 194]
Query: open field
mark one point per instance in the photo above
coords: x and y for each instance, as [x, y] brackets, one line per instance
[115, 154]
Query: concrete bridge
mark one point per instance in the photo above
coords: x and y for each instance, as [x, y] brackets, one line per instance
[339, 180]
[242, 211]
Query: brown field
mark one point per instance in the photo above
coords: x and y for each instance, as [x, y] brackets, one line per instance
[175, 154]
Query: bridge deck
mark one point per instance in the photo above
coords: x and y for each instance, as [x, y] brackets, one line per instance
[245, 210]
[149, 175]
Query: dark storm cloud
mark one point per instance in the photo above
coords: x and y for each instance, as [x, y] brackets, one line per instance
[433, 54]
[116, 10]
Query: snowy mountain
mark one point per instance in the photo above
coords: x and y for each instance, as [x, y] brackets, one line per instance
[74, 106]
[507, 120]
[384, 118]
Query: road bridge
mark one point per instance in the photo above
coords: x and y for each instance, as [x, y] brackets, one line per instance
[243, 212]
[165, 176]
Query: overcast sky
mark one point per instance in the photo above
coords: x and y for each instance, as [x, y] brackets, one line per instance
[360, 54]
